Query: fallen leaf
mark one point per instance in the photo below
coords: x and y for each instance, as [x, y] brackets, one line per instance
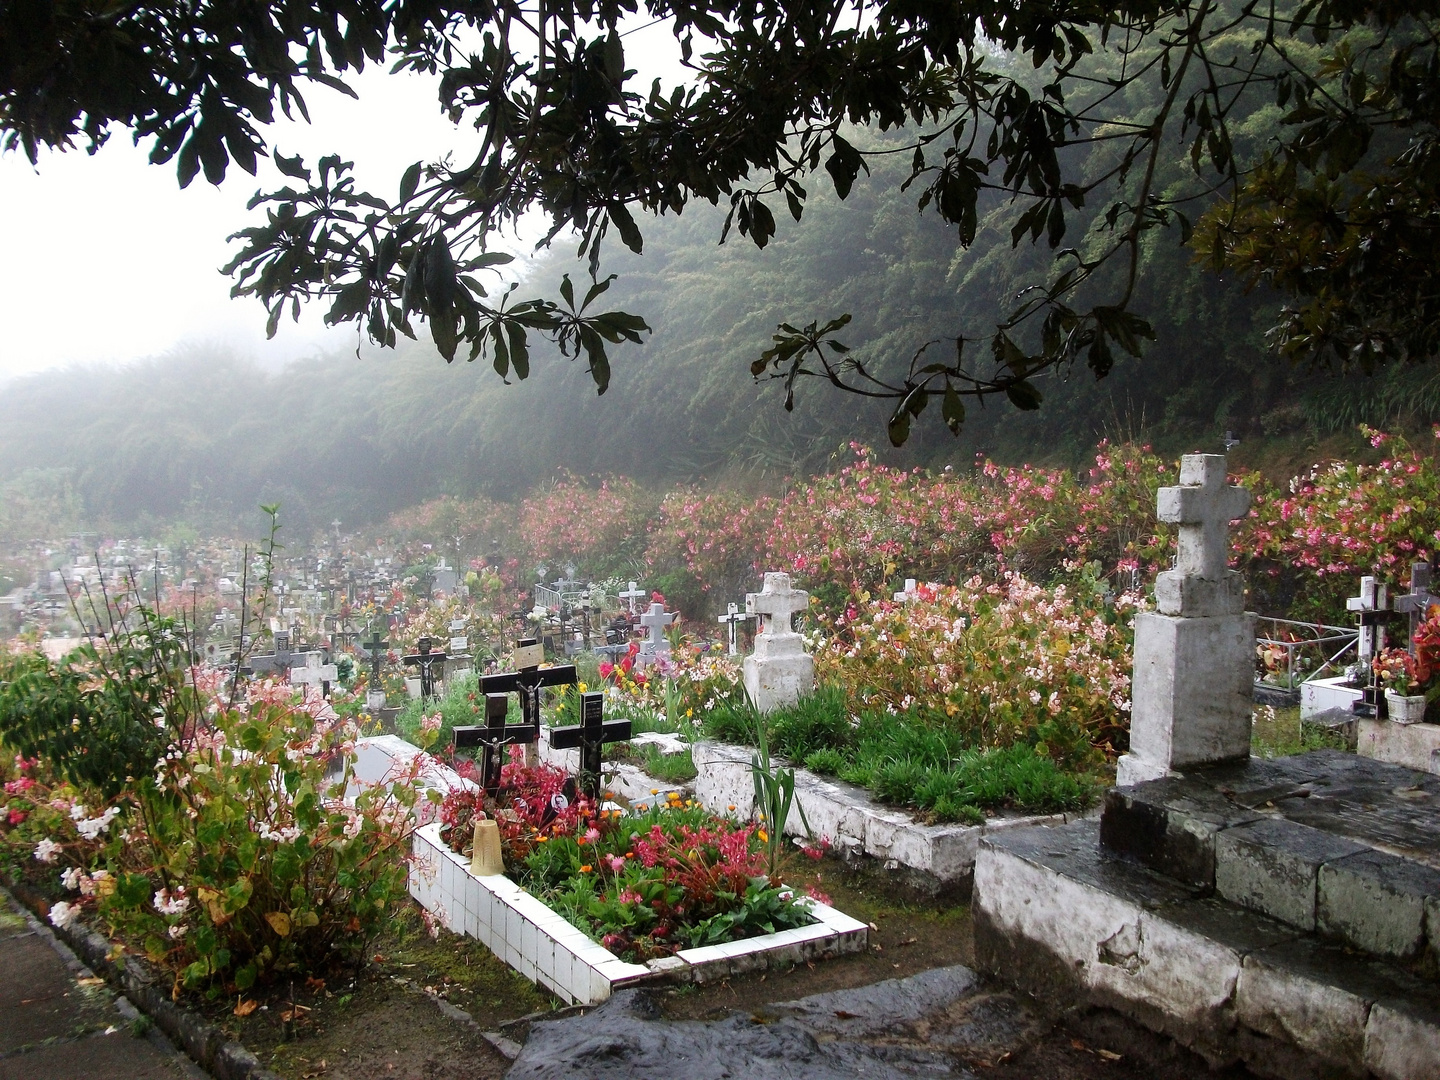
[314, 985]
[319, 1068]
[90, 980]
[279, 922]
[245, 1008]
[1078, 1045]
[909, 941]
[1109, 1055]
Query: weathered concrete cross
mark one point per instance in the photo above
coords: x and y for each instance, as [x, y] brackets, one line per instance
[776, 603]
[655, 620]
[1203, 505]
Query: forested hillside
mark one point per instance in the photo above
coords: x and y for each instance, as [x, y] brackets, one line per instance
[205, 437]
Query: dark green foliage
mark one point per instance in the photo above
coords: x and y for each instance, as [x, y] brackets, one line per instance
[93, 716]
[915, 761]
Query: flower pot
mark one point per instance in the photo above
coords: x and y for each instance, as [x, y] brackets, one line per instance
[1405, 710]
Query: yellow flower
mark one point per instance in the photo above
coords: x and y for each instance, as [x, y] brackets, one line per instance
[654, 791]
[582, 687]
[764, 836]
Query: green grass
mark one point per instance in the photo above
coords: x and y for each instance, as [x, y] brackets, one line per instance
[909, 760]
[1285, 735]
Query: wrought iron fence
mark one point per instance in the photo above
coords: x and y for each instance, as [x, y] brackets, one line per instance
[1288, 653]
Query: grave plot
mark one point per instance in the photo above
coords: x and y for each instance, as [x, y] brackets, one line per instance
[582, 894]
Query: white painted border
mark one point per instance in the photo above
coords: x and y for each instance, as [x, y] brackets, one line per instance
[541, 945]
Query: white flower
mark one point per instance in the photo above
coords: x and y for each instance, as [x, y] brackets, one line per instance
[177, 932]
[47, 850]
[63, 914]
[168, 903]
[90, 828]
[71, 878]
[77, 811]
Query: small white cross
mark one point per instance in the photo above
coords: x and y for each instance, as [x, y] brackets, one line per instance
[655, 620]
[1203, 506]
[1373, 597]
[905, 595]
[630, 595]
[731, 620]
[776, 603]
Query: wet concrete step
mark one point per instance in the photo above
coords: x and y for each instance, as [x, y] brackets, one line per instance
[1065, 919]
[1328, 842]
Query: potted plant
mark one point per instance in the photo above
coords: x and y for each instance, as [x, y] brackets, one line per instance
[1396, 670]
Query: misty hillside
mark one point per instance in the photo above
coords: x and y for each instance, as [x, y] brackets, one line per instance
[206, 437]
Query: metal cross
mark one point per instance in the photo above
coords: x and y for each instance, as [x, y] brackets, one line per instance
[529, 680]
[425, 660]
[1371, 605]
[375, 649]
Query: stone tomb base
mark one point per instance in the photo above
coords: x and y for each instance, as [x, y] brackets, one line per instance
[1284, 914]
[541, 945]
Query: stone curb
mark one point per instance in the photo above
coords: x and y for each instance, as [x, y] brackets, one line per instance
[221, 1057]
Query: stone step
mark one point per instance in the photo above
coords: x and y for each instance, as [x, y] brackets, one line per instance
[1327, 842]
[1068, 921]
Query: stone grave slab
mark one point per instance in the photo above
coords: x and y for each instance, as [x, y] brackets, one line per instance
[1377, 902]
[1273, 867]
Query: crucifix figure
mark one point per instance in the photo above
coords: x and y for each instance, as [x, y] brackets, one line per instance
[375, 649]
[1203, 505]
[527, 680]
[1371, 605]
[495, 736]
[655, 646]
[590, 735]
[631, 595]
[731, 620]
[1417, 602]
[426, 660]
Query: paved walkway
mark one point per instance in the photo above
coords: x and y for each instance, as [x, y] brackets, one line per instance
[59, 1022]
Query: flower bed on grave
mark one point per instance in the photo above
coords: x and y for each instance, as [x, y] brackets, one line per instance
[646, 884]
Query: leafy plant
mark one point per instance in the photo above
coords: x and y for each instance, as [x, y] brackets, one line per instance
[774, 798]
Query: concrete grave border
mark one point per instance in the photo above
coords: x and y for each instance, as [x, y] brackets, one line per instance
[540, 944]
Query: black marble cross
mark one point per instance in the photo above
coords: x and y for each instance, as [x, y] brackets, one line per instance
[425, 659]
[528, 680]
[590, 735]
[375, 648]
[495, 736]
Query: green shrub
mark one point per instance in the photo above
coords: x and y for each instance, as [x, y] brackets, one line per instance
[827, 762]
[897, 781]
[815, 722]
[731, 722]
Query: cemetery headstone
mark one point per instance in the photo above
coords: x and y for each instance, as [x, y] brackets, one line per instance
[1194, 656]
[631, 595]
[527, 680]
[375, 649]
[779, 671]
[908, 593]
[496, 736]
[314, 672]
[1417, 602]
[429, 664]
[731, 620]
[656, 646]
[590, 735]
[1370, 608]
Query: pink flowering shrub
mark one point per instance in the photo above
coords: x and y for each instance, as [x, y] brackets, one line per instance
[598, 528]
[1003, 662]
[234, 856]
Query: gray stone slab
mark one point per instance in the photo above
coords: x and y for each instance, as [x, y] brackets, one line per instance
[1169, 825]
[1375, 902]
[1272, 866]
[38, 998]
[1320, 999]
[116, 1056]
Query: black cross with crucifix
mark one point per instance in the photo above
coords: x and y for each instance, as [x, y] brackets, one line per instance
[1416, 603]
[375, 649]
[528, 680]
[590, 735]
[425, 660]
[495, 736]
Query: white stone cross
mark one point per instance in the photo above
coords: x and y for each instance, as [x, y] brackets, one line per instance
[1373, 597]
[314, 673]
[1203, 506]
[731, 620]
[776, 603]
[630, 595]
[655, 620]
[905, 595]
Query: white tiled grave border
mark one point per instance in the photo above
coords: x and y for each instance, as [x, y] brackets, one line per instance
[852, 821]
[545, 948]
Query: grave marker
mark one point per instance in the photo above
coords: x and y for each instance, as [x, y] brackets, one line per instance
[590, 735]
[425, 660]
[731, 620]
[655, 646]
[528, 680]
[495, 736]
[1417, 602]
[1194, 656]
[1370, 605]
[779, 671]
[630, 595]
